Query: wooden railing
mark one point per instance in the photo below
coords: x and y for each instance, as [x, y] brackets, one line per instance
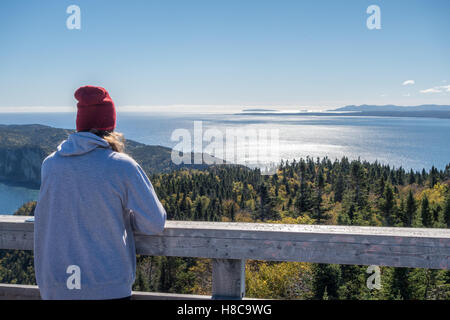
[230, 244]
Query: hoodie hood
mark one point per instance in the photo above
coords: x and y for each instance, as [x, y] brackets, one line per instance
[80, 143]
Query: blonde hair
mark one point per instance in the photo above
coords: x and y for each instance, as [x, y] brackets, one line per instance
[116, 140]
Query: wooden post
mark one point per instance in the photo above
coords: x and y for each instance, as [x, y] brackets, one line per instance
[228, 278]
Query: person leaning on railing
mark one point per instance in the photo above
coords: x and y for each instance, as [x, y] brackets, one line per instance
[92, 197]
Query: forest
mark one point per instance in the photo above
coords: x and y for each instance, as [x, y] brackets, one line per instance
[305, 191]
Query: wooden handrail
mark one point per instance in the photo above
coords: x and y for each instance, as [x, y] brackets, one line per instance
[230, 244]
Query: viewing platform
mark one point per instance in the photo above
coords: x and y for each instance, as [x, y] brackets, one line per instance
[229, 245]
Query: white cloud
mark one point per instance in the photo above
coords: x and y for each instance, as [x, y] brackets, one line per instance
[407, 82]
[431, 90]
[437, 89]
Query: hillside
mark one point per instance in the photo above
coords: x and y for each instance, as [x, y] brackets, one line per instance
[24, 147]
[306, 191]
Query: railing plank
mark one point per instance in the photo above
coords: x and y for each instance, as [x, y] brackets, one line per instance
[228, 278]
[398, 247]
[19, 292]
[30, 292]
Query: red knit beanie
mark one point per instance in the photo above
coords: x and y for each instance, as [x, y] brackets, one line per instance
[95, 109]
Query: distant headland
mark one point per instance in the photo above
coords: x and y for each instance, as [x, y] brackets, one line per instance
[421, 111]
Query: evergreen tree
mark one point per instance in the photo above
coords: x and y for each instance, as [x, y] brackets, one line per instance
[425, 212]
[447, 211]
[339, 188]
[401, 214]
[267, 210]
[412, 178]
[410, 211]
[352, 280]
[319, 212]
[388, 206]
[400, 286]
[381, 186]
[305, 186]
[326, 278]
[304, 200]
[359, 183]
[433, 177]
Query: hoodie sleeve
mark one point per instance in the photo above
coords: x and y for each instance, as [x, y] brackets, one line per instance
[147, 214]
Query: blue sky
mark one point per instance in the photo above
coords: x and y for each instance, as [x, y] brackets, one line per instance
[226, 53]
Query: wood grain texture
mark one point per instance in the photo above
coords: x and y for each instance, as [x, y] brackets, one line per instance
[19, 292]
[228, 278]
[30, 292]
[397, 247]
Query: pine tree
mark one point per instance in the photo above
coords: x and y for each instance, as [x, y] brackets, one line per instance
[304, 197]
[339, 188]
[447, 211]
[358, 183]
[267, 204]
[412, 178]
[346, 216]
[318, 212]
[425, 212]
[433, 176]
[388, 206]
[401, 214]
[401, 176]
[326, 278]
[411, 208]
[419, 179]
[400, 283]
[352, 279]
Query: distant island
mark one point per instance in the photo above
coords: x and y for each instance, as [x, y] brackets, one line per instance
[259, 110]
[421, 111]
[390, 108]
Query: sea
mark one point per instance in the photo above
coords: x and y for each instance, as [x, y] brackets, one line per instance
[411, 143]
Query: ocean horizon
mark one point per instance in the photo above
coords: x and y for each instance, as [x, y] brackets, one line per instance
[411, 143]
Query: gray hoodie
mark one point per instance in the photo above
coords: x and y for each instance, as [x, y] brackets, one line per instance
[90, 202]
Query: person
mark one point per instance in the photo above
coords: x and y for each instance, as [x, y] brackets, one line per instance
[93, 197]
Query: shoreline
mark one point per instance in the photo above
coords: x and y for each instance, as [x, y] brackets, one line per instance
[26, 185]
